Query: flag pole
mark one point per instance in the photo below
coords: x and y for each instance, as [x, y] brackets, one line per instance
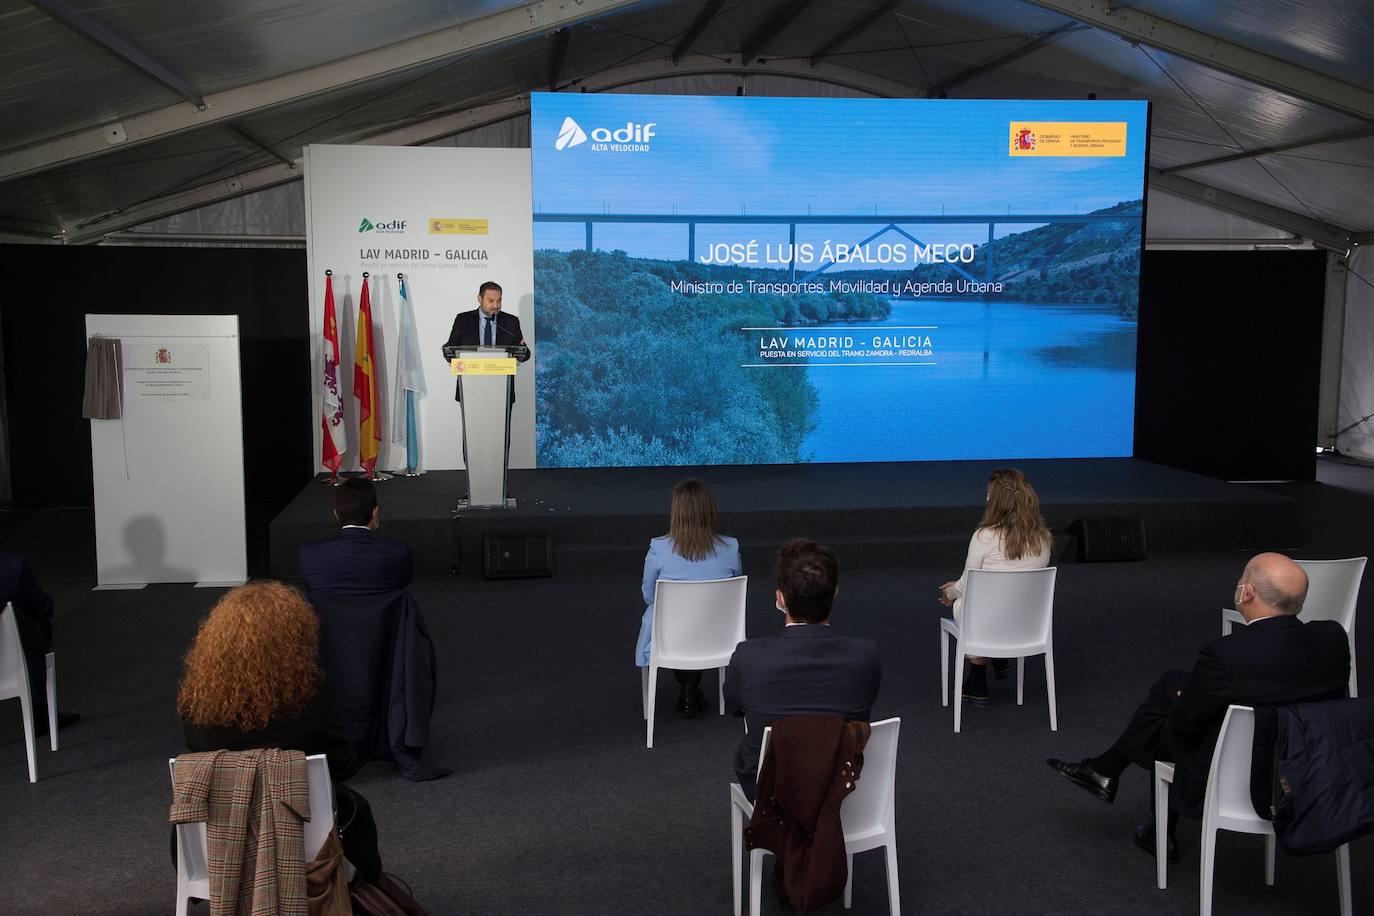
[410, 470]
[368, 345]
[332, 478]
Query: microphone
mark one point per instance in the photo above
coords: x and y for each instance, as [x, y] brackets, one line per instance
[519, 342]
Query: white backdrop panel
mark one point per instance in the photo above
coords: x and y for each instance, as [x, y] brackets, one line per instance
[401, 191]
[168, 474]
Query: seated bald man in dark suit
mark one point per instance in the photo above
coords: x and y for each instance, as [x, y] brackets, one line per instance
[356, 561]
[808, 667]
[1274, 660]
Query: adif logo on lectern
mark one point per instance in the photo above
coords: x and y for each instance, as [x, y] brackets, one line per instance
[570, 134]
[634, 137]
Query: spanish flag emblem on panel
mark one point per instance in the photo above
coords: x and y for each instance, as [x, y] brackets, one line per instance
[365, 387]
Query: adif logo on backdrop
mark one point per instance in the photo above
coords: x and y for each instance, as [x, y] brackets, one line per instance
[570, 134]
[632, 138]
[389, 227]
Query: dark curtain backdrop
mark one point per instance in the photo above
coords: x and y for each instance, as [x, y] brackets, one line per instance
[1227, 384]
[45, 293]
[1227, 376]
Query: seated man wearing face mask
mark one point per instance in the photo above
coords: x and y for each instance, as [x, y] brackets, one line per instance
[808, 668]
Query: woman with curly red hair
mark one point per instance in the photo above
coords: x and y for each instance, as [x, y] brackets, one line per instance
[251, 681]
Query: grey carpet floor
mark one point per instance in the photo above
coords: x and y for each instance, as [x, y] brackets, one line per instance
[556, 807]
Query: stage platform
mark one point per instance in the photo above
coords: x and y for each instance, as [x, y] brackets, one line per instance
[873, 515]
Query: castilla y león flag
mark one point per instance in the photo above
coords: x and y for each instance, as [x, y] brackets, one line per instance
[365, 388]
[331, 415]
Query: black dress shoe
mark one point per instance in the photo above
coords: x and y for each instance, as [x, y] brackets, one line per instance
[1145, 839]
[1085, 777]
[64, 719]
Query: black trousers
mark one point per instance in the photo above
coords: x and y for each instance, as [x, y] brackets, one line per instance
[688, 678]
[35, 639]
[1145, 739]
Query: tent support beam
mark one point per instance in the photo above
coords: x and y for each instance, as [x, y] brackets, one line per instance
[941, 89]
[770, 30]
[854, 29]
[708, 12]
[528, 19]
[1323, 234]
[1341, 136]
[108, 41]
[255, 141]
[557, 54]
[1210, 51]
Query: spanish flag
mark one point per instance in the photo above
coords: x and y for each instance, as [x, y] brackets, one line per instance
[365, 387]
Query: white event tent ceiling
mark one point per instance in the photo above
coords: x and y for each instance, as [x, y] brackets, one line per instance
[118, 114]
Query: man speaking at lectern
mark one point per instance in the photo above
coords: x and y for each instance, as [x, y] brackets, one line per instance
[485, 326]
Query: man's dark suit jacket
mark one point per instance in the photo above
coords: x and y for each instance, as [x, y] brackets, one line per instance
[1274, 661]
[808, 668]
[356, 562]
[465, 333]
[33, 616]
[377, 653]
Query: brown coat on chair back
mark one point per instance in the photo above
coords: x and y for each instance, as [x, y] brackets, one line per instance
[813, 762]
[254, 804]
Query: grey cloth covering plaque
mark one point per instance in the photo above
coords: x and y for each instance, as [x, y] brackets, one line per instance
[103, 399]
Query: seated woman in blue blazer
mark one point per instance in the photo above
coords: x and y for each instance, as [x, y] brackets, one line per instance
[691, 551]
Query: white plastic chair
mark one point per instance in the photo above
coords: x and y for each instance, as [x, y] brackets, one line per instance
[1007, 613]
[193, 858]
[696, 626]
[868, 816]
[1333, 587]
[1227, 806]
[14, 682]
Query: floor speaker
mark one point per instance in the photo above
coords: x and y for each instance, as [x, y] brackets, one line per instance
[1109, 539]
[517, 556]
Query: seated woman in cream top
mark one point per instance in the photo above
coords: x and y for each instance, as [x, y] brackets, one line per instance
[1012, 535]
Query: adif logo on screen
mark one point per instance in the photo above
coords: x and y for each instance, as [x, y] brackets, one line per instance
[632, 138]
[570, 134]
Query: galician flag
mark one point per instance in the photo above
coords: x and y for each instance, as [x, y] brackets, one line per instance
[410, 381]
[365, 387]
[331, 416]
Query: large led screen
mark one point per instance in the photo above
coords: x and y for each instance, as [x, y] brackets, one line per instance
[723, 280]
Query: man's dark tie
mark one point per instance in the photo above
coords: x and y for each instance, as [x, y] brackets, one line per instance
[491, 334]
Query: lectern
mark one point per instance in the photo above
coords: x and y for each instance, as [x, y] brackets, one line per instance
[486, 382]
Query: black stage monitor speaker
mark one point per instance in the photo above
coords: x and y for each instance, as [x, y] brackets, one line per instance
[517, 556]
[1110, 538]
